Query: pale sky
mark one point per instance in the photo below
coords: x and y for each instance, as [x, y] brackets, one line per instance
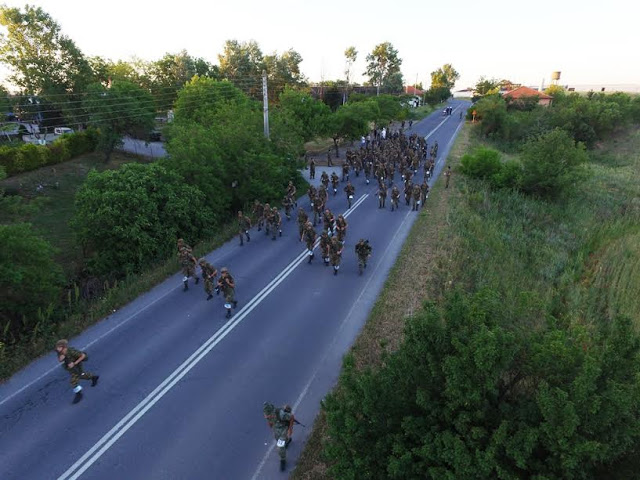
[590, 42]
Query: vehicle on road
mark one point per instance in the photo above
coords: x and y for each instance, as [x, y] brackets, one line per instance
[62, 130]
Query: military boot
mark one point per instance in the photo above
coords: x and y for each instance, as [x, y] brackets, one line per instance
[78, 397]
[94, 380]
[186, 285]
[235, 303]
[228, 313]
[283, 464]
[241, 241]
[248, 237]
[197, 280]
[209, 297]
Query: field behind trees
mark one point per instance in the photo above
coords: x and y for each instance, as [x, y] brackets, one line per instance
[505, 344]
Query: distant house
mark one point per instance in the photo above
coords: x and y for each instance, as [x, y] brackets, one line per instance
[522, 93]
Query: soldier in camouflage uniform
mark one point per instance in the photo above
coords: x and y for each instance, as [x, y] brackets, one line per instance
[328, 221]
[276, 223]
[363, 251]
[303, 218]
[350, 190]
[244, 224]
[324, 179]
[382, 194]
[266, 217]
[341, 228]
[258, 213]
[281, 420]
[395, 197]
[416, 196]
[291, 193]
[312, 193]
[72, 361]
[335, 180]
[188, 262]
[318, 207]
[335, 254]
[408, 187]
[228, 287]
[424, 193]
[309, 236]
[209, 273]
[287, 204]
[312, 169]
[325, 245]
[345, 171]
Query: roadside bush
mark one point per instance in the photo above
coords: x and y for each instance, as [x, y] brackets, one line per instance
[29, 157]
[466, 396]
[491, 110]
[30, 280]
[482, 163]
[130, 217]
[509, 176]
[550, 163]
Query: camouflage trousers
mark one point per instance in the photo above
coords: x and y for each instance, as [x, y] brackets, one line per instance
[77, 374]
[208, 285]
[229, 295]
[278, 435]
[189, 270]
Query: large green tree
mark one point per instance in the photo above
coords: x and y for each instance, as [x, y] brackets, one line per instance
[383, 67]
[121, 109]
[42, 60]
[444, 76]
[310, 114]
[467, 396]
[350, 57]
[283, 70]
[242, 64]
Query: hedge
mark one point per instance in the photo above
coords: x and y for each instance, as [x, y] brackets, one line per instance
[28, 157]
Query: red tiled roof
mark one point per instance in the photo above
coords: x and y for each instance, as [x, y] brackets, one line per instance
[522, 92]
[412, 90]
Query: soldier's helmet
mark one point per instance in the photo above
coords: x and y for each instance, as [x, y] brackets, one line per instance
[180, 241]
[202, 261]
[239, 213]
[268, 408]
[287, 408]
[224, 270]
[63, 342]
[274, 209]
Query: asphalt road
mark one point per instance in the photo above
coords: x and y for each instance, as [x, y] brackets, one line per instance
[181, 388]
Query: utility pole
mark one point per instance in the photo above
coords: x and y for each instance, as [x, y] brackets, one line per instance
[265, 101]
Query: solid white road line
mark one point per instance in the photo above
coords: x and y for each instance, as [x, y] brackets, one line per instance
[97, 450]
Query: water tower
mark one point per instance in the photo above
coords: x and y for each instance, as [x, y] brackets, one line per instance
[555, 76]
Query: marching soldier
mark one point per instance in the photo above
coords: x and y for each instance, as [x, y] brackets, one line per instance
[72, 361]
[276, 222]
[309, 236]
[335, 253]
[408, 187]
[312, 169]
[312, 193]
[288, 205]
[318, 208]
[341, 228]
[266, 218]
[209, 273]
[228, 288]
[324, 179]
[188, 262]
[325, 245]
[424, 193]
[303, 218]
[329, 162]
[345, 171]
[363, 251]
[291, 193]
[244, 224]
[281, 420]
[416, 196]
[258, 213]
[382, 194]
[350, 190]
[395, 197]
[327, 221]
[447, 177]
[334, 182]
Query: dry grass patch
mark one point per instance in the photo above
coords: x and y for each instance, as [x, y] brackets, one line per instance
[423, 271]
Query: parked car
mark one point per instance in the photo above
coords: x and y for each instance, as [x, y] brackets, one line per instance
[155, 135]
[62, 130]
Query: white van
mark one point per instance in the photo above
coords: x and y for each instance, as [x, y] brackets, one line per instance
[62, 130]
